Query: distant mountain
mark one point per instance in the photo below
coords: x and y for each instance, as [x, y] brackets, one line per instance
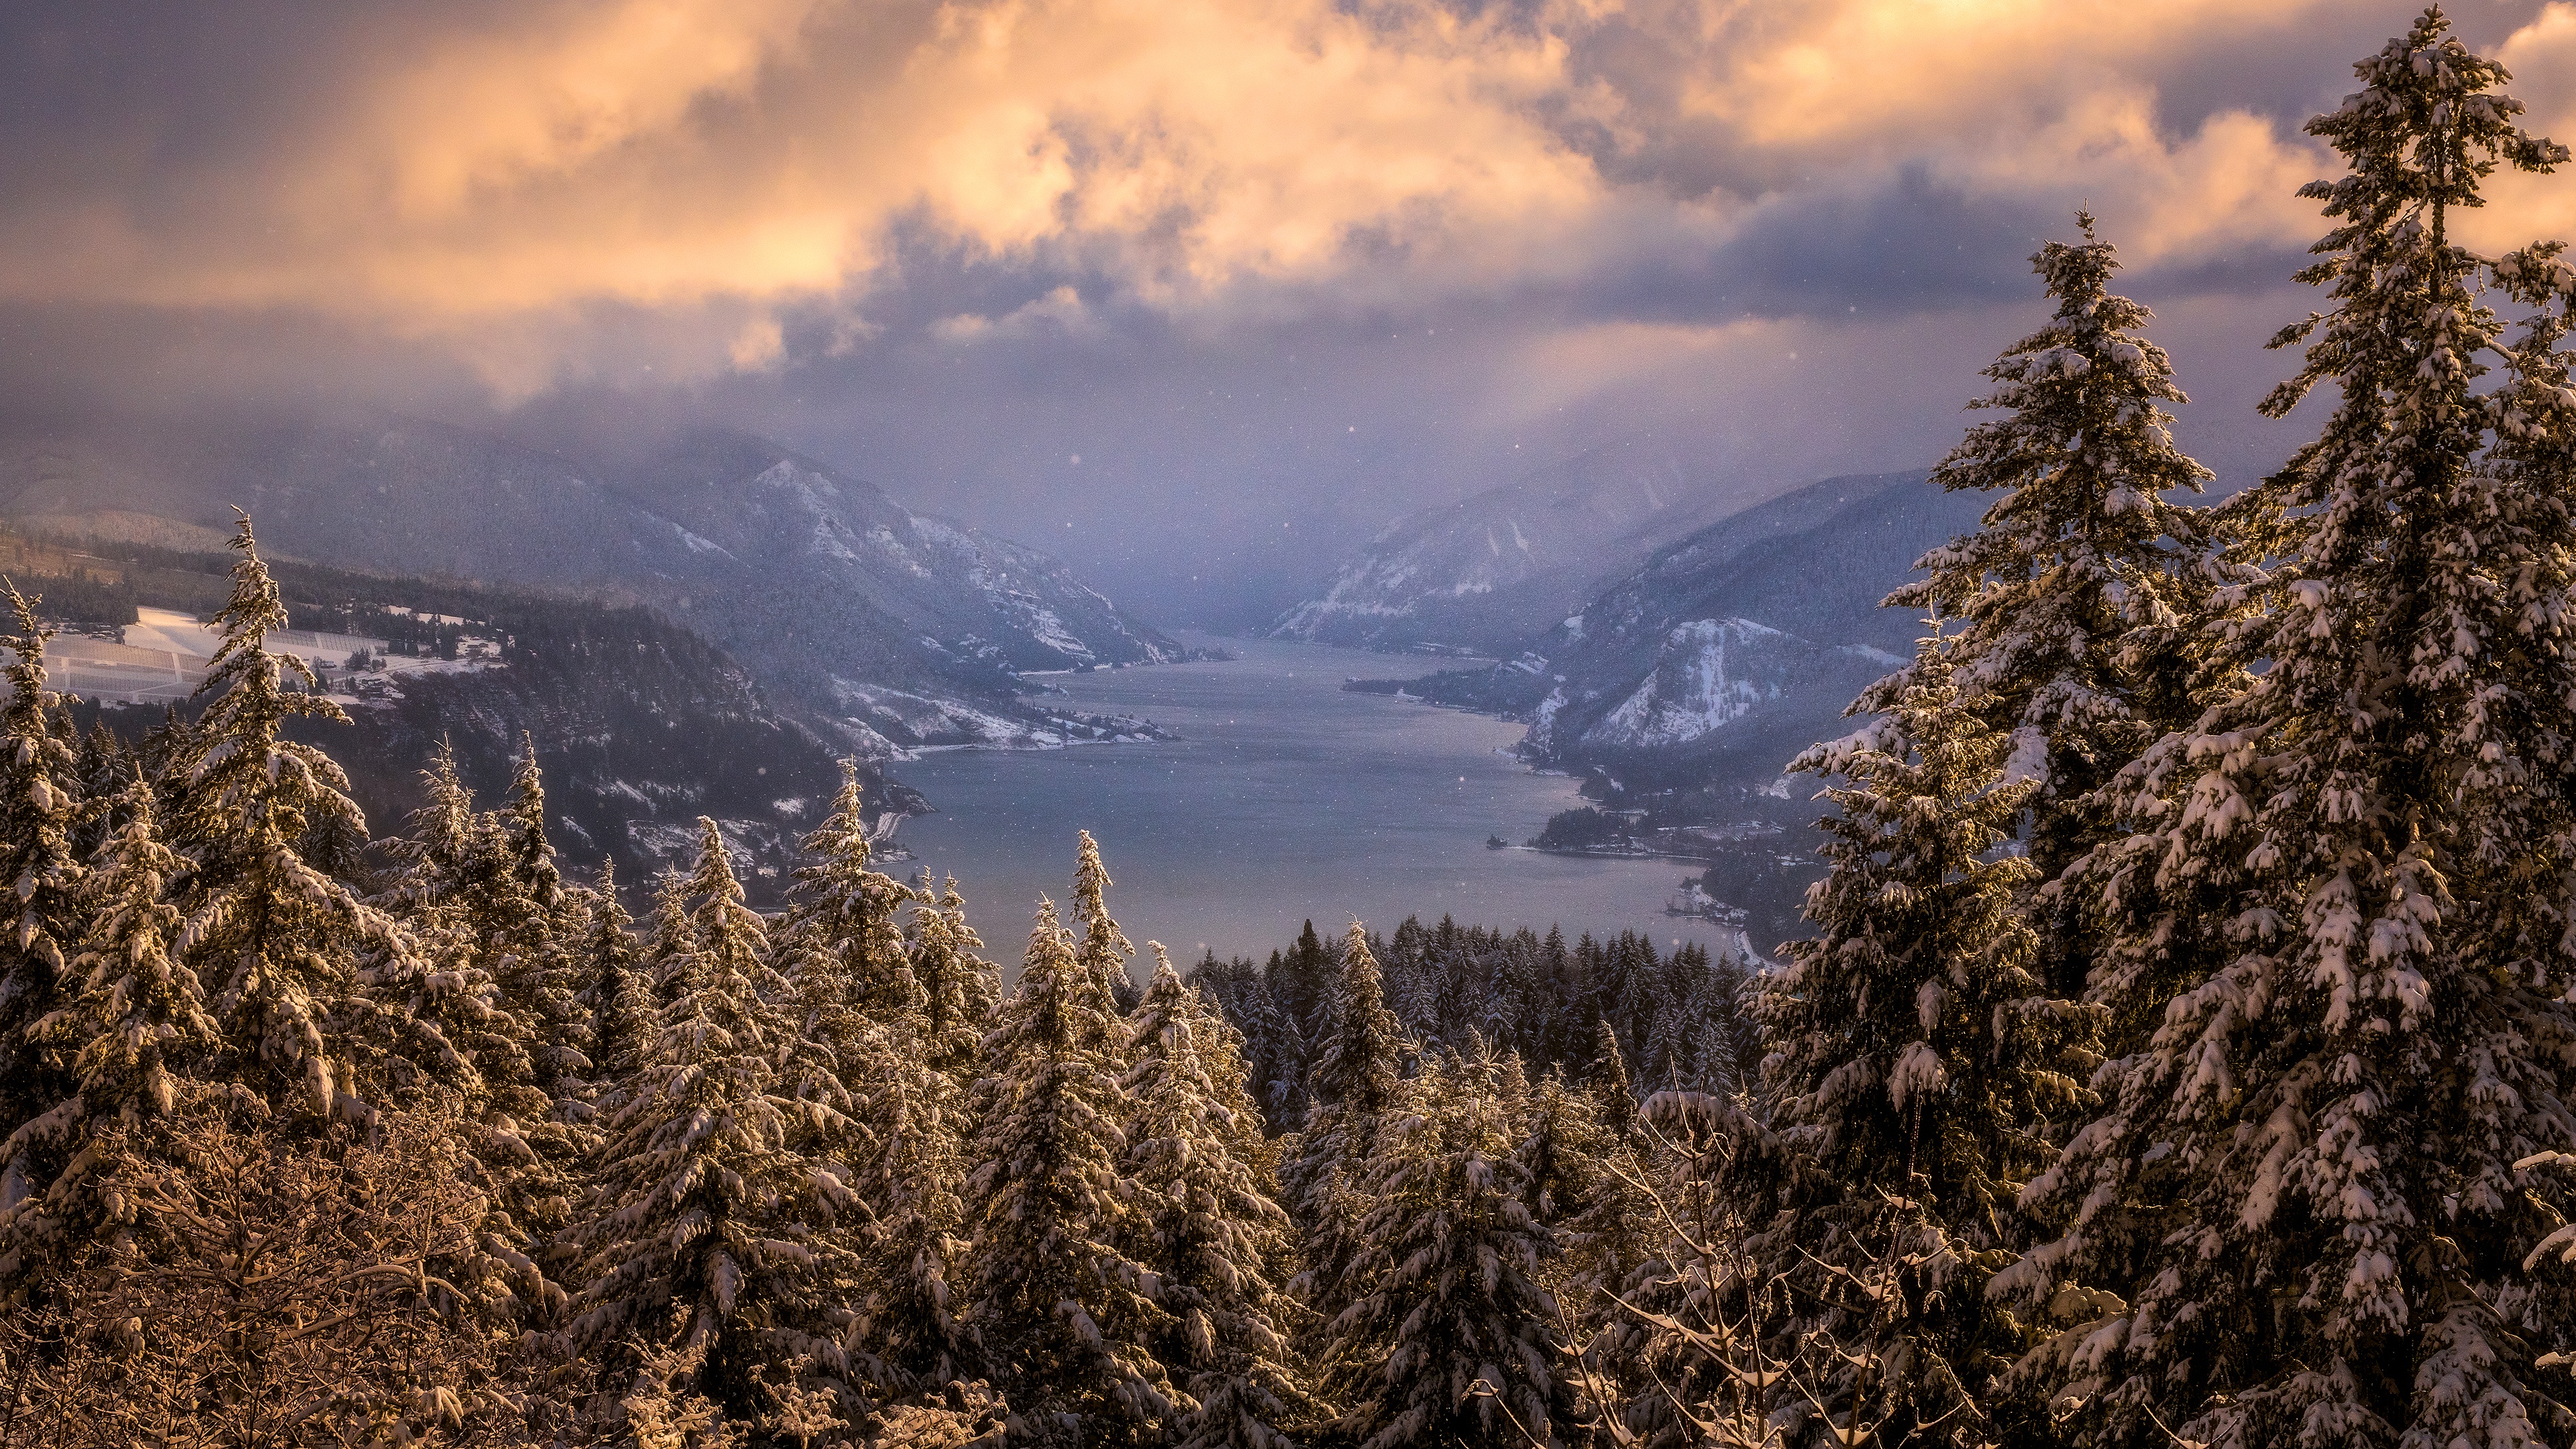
[1727, 651]
[886, 627]
[1490, 572]
[892, 621]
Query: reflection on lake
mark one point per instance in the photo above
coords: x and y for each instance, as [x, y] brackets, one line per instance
[1284, 800]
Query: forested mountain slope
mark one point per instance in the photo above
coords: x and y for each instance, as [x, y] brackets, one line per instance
[641, 726]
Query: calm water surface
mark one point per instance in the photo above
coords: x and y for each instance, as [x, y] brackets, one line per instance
[1284, 800]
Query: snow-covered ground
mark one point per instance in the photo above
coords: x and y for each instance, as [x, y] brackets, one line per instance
[165, 655]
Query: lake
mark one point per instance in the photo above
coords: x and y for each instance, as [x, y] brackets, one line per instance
[1284, 799]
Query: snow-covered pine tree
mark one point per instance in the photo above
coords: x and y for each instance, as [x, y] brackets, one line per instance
[532, 853]
[670, 939]
[278, 942]
[105, 766]
[1450, 1338]
[2071, 610]
[495, 998]
[1668, 1061]
[1413, 982]
[1211, 1229]
[1354, 1083]
[714, 1255]
[1062, 1311]
[135, 1032]
[619, 996]
[1584, 1177]
[1301, 982]
[2340, 904]
[1102, 949]
[1512, 1091]
[907, 1332]
[959, 988]
[1911, 1052]
[450, 887]
[40, 791]
[840, 928]
[1610, 1082]
[540, 973]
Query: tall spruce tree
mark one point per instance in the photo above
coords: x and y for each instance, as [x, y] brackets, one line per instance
[2340, 900]
[451, 889]
[713, 1257]
[959, 990]
[1355, 1082]
[2070, 610]
[1210, 1230]
[279, 942]
[1102, 949]
[670, 938]
[1450, 1337]
[840, 939]
[495, 997]
[619, 997]
[864, 1049]
[1585, 1184]
[1911, 1050]
[1061, 1308]
[908, 1330]
[40, 792]
[532, 853]
[137, 1030]
[540, 971]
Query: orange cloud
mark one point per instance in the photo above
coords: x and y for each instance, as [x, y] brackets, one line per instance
[716, 160]
[2523, 208]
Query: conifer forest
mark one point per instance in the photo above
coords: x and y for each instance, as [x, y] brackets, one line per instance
[2180, 1053]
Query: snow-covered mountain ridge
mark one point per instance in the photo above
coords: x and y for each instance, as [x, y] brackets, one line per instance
[1708, 674]
[1497, 568]
[884, 626]
[1724, 653]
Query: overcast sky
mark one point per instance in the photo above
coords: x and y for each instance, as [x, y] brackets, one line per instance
[1175, 287]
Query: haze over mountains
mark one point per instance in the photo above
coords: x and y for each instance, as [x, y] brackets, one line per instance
[1719, 654]
[881, 626]
[1491, 571]
[1654, 629]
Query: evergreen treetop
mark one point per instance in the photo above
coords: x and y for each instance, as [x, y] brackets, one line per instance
[713, 1241]
[1103, 949]
[840, 940]
[2080, 580]
[278, 941]
[1211, 1227]
[1450, 1337]
[620, 999]
[531, 852]
[1062, 1309]
[958, 987]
